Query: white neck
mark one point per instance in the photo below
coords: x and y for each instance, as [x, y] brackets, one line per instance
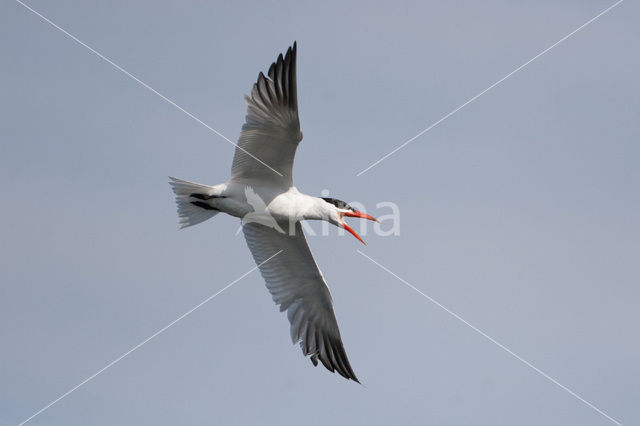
[314, 208]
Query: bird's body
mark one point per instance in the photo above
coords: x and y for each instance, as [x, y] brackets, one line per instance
[241, 200]
[261, 193]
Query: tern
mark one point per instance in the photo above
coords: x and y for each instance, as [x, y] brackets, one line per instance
[261, 193]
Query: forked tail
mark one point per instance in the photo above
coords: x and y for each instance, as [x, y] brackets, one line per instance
[194, 201]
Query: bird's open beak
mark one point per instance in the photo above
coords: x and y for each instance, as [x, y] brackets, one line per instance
[360, 215]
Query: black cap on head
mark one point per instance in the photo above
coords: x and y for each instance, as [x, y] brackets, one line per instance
[339, 204]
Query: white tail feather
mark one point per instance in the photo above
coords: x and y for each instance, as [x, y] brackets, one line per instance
[189, 213]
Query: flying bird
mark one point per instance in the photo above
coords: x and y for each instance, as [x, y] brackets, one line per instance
[261, 192]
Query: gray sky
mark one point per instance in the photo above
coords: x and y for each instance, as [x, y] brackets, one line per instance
[519, 213]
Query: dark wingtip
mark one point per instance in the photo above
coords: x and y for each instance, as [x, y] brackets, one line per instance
[348, 375]
[335, 360]
[352, 376]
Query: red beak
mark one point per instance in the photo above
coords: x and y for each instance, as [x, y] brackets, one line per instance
[360, 215]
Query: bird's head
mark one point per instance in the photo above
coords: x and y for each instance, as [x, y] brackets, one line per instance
[338, 209]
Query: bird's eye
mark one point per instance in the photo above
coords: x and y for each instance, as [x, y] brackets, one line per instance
[339, 204]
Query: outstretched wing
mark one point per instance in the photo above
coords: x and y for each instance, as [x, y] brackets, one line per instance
[271, 132]
[296, 284]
